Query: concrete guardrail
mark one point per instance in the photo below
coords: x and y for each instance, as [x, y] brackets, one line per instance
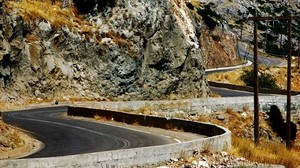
[219, 139]
[150, 155]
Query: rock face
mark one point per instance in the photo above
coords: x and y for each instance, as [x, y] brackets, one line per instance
[272, 34]
[146, 50]
[219, 48]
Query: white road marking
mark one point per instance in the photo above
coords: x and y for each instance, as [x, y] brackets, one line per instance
[177, 140]
[126, 128]
[137, 130]
[116, 139]
[166, 136]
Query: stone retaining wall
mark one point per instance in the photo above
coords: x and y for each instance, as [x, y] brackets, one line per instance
[198, 105]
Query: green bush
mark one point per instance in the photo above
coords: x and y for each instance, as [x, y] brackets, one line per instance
[264, 80]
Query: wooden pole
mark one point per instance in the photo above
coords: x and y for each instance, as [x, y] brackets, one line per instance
[266, 37]
[256, 101]
[242, 27]
[299, 50]
[289, 60]
[288, 108]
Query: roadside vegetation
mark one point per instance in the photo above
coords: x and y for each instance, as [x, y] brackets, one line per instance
[240, 123]
[265, 80]
[271, 149]
[31, 10]
[9, 138]
[59, 16]
[270, 75]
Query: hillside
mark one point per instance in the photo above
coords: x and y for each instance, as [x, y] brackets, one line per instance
[278, 74]
[272, 34]
[126, 50]
[123, 51]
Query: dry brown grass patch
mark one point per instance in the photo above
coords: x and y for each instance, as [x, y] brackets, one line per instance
[43, 10]
[31, 10]
[102, 118]
[9, 138]
[246, 108]
[278, 73]
[232, 77]
[118, 39]
[31, 38]
[147, 109]
[266, 152]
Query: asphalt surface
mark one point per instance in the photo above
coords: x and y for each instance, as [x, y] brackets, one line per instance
[267, 61]
[224, 92]
[65, 136]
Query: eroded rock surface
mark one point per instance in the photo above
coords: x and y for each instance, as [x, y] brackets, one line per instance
[145, 50]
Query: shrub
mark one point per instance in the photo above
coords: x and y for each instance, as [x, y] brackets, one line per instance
[88, 6]
[264, 80]
[278, 125]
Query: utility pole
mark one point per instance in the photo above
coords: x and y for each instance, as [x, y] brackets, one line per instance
[266, 37]
[299, 50]
[256, 91]
[288, 105]
[289, 60]
[242, 27]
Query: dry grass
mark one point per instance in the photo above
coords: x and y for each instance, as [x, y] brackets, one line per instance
[15, 140]
[196, 3]
[268, 151]
[240, 123]
[279, 74]
[102, 118]
[31, 38]
[9, 138]
[97, 117]
[147, 110]
[118, 39]
[246, 108]
[31, 10]
[232, 77]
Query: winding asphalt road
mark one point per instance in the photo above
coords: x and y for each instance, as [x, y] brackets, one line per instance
[262, 60]
[267, 61]
[65, 136]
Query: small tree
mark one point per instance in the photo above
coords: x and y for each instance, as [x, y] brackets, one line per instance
[264, 80]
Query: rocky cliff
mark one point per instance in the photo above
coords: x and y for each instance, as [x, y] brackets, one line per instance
[126, 50]
[272, 34]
